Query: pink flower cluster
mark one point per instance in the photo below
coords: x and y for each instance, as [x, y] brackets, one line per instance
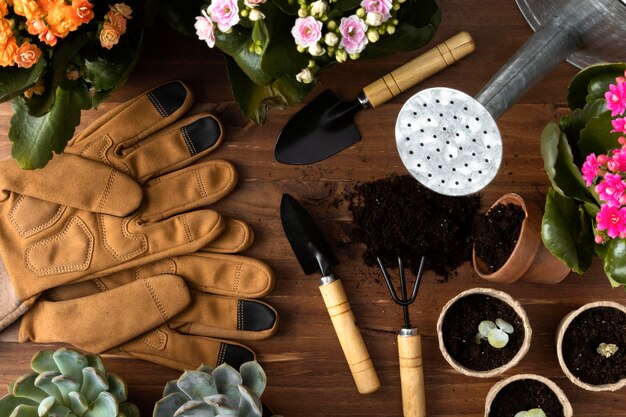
[224, 14]
[616, 102]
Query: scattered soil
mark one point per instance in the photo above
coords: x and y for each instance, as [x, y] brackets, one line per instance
[496, 233]
[524, 395]
[398, 216]
[460, 326]
[582, 338]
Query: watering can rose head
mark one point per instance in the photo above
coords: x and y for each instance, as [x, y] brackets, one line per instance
[585, 159]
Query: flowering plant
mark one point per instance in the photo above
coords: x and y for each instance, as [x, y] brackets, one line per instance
[275, 49]
[585, 159]
[56, 58]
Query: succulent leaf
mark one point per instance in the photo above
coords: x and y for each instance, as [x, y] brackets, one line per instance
[223, 404]
[205, 368]
[249, 404]
[78, 404]
[65, 386]
[45, 382]
[485, 327]
[93, 384]
[171, 388]
[167, 406]
[95, 361]
[117, 387]
[24, 386]
[536, 412]
[58, 410]
[504, 326]
[197, 385]
[128, 409]
[25, 411]
[43, 362]
[104, 406]
[226, 376]
[70, 363]
[498, 338]
[253, 377]
[195, 409]
[45, 406]
[9, 402]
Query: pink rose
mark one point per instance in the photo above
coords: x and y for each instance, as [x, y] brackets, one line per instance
[378, 6]
[225, 13]
[307, 32]
[204, 30]
[353, 36]
[253, 3]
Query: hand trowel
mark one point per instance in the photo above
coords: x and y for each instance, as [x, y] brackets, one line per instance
[315, 255]
[325, 126]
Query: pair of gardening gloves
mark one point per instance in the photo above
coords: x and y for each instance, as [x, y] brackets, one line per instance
[111, 248]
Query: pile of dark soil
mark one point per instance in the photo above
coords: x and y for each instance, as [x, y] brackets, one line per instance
[524, 395]
[398, 216]
[460, 326]
[581, 341]
[495, 234]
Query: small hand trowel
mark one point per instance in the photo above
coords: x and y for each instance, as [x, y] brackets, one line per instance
[315, 255]
[325, 126]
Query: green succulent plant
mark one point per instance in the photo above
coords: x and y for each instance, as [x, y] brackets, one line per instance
[66, 383]
[535, 412]
[497, 334]
[607, 349]
[218, 392]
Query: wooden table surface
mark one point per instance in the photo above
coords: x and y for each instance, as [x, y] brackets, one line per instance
[304, 363]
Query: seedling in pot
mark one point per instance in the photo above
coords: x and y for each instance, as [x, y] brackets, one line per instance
[497, 334]
[607, 349]
[535, 412]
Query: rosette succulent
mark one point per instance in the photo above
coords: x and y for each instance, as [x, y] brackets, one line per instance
[216, 392]
[66, 383]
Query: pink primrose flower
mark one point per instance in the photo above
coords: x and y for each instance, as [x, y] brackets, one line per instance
[378, 6]
[611, 219]
[616, 98]
[590, 169]
[611, 188]
[307, 31]
[619, 125]
[225, 13]
[353, 34]
[204, 29]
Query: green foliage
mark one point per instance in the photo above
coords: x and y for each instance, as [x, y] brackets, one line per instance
[66, 383]
[497, 334]
[214, 392]
[535, 412]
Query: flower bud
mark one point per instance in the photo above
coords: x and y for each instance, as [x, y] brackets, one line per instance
[244, 13]
[332, 25]
[354, 56]
[374, 19]
[603, 159]
[316, 50]
[258, 50]
[331, 39]
[255, 14]
[341, 55]
[305, 76]
[396, 6]
[373, 36]
[319, 7]
[391, 30]
[300, 48]
[360, 12]
[599, 239]
[303, 13]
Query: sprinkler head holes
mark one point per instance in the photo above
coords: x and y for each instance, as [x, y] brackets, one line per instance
[448, 141]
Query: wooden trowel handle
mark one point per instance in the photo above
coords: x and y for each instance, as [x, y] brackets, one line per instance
[350, 338]
[412, 375]
[420, 68]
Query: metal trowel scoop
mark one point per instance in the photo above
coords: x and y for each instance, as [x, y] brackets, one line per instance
[325, 126]
[450, 142]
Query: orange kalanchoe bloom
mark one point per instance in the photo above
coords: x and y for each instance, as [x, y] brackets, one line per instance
[81, 12]
[114, 24]
[27, 55]
[7, 53]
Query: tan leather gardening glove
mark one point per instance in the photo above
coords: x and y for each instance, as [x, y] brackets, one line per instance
[124, 193]
[92, 316]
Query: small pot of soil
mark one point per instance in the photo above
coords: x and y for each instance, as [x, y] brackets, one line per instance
[508, 246]
[470, 329]
[526, 392]
[591, 346]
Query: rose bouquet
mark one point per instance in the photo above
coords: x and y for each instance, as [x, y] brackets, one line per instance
[56, 58]
[585, 159]
[275, 49]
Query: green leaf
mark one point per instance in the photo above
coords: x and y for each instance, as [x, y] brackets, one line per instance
[289, 7]
[70, 363]
[281, 56]
[566, 232]
[93, 384]
[25, 411]
[615, 260]
[181, 15]
[167, 406]
[45, 382]
[249, 404]
[197, 385]
[104, 406]
[78, 404]
[14, 81]
[129, 409]
[66, 385]
[35, 138]
[226, 377]
[253, 377]
[236, 43]
[25, 387]
[578, 87]
[8, 403]
[254, 100]
[195, 409]
[43, 362]
[558, 161]
[596, 137]
[170, 388]
[117, 387]
[576, 121]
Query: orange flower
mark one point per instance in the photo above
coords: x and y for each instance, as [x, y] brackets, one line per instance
[6, 31]
[38, 89]
[109, 36]
[4, 9]
[7, 53]
[27, 55]
[81, 12]
[116, 20]
[28, 8]
[122, 9]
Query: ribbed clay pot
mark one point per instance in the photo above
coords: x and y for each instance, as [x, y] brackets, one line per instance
[493, 392]
[504, 297]
[530, 260]
[564, 325]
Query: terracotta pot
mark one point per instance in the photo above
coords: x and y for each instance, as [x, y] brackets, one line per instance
[500, 295]
[563, 325]
[530, 260]
[567, 407]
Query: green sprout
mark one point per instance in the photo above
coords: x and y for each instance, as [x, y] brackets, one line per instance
[607, 349]
[535, 412]
[497, 334]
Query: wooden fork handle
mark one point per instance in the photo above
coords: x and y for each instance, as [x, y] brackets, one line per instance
[412, 374]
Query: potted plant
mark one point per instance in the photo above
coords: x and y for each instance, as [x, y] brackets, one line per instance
[218, 391]
[507, 244]
[591, 346]
[527, 395]
[483, 332]
[583, 155]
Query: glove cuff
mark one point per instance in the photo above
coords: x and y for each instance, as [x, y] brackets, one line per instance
[11, 307]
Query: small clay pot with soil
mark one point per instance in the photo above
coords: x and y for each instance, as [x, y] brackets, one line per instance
[526, 392]
[508, 246]
[458, 332]
[591, 346]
